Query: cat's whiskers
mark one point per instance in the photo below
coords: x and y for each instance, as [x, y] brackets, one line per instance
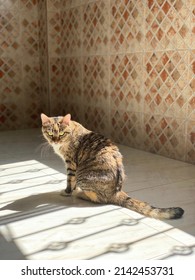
[44, 148]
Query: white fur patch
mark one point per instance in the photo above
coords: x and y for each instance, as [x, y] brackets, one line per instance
[56, 148]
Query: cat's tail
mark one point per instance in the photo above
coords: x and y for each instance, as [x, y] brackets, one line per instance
[122, 199]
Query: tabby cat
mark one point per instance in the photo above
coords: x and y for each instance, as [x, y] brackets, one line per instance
[94, 165]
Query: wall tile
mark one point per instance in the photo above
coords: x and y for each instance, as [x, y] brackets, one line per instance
[10, 33]
[192, 41]
[44, 84]
[42, 18]
[32, 93]
[164, 136]
[11, 94]
[190, 145]
[165, 83]
[95, 81]
[72, 87]
[29, 5]
[191, 87]
[72, 80]
[10, 116]
[71, 32]
[95, 28]
[54, 33]
[76, 111]
[55, 87]
[72, 3]
[54, 5]
[8, 4]
[126, 128]
[126, 82]
[29, 35]
[31, 77]
[100, 117]
[43, 56]
[11, 77]
[127, 34]
[167, 24]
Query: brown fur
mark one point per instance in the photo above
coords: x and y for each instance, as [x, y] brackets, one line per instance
[94, 167]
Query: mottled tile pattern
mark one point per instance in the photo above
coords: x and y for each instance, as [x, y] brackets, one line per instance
[191, 87]
[71, 31]
[21, 98]
[30, 5]
[190, 141]
[11, 87]
[166, 82]
[71, 79]
[31, 88]
[190, 132]
[43, 56]
[126, 24]
[126, 82]
[72, 3]
[123, 68]
[95, 27]
[72, 87]
[9, 33]
[55, 88]
[53, 5]
[126, 128]
[8, 4]
[54, 33]
[193, 27]
[165, 136]
[100, 117]
[167, 24]
[95, 81]
[29, 35]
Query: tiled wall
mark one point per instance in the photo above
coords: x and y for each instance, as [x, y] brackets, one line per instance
[20, 90]
[123, 68]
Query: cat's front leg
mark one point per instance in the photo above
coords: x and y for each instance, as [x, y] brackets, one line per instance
[71, 180]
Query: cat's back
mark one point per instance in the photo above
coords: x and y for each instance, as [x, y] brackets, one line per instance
[94, 146]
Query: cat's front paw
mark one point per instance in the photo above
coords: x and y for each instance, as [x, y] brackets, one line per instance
[64, 193]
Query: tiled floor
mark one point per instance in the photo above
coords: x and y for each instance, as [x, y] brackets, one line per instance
[37, 223]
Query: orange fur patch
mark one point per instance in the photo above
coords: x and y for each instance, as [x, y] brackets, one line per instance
[91, 195]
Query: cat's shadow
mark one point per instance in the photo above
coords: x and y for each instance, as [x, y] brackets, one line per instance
[50, 199]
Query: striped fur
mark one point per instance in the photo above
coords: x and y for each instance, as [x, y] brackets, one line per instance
[94, 167]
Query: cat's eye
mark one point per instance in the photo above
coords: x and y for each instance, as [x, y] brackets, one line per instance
[61, 133]
[50, 133]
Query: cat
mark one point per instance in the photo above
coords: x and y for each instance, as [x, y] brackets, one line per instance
[95, 170]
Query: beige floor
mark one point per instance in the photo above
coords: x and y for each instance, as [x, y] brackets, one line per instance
[37, 223]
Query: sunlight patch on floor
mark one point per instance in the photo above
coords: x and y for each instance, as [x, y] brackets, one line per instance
[37, 223]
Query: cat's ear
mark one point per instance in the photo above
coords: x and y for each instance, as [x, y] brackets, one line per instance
[66, 120]
[45, 119]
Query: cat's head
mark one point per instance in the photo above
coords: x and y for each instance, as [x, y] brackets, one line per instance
[56, 130]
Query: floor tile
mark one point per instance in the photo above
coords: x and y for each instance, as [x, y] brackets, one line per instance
[36, 222]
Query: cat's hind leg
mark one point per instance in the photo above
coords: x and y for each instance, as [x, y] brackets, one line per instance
[86, 195]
